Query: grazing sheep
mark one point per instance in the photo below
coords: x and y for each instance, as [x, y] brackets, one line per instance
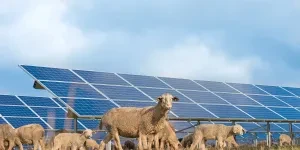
[129, 145]
[31, 134]
[283, 138]
[147, 120]
[187, 140]
[8, 137]
[90, 143]
[217, 132]
[166, 136]
[75, 140]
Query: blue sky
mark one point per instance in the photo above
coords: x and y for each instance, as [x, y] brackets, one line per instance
[248, 41]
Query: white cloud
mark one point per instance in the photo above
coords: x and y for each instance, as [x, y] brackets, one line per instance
[194, 59]
[39, 33]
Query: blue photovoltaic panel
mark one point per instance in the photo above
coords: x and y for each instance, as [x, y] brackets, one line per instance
[182, 84]
[251, 127]
[122, 92]
[50, 112]
[155, 93]
[225, 111]
[180, 125]
[144, 81]
[247, 88]
[260, 112]
[101, 77]
[190, 110]
[9, 100]
[89, 106]
[203, 97]
[16, 111]
[38, 101]
[67, 124]
[216, 86]
[72, 90]
[286, 126]
[2, 121]
[273, 127]
[237, 99]
[54, 74]
[295, 91]
[274, 90]
[288, 113]
[59, 102]
[18, 122]
[90, 124]
[268, 100]
[293, 101]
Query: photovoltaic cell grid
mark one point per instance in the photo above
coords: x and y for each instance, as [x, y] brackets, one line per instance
[198, 98]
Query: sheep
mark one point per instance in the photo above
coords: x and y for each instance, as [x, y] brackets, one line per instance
[90, 143]
[187, 140]
[166, 136]
[217, 132]
[7, 137]
[75, 140]
[31, 134]
[147, 120]
[129, 145]
[49, 143]
[229, 142]
[283, 138]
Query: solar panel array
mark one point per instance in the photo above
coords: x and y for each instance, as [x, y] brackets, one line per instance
[91, 93]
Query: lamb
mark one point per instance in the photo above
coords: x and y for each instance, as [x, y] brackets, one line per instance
[49, 143]
[148, 120]
[90, 143]
[7, 137]
[166, 136]
[31, 134]
[75, 140]
[217, 132]
[283, 138]
[187, 140]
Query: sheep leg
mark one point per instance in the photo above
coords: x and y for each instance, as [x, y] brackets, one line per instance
[35, 145]
[11, 144]
[18, 142]
[42, 144]
[117, 140]
[156, 139]
[196, 139]
[107, 138]
[2, 144]
[220, 143]
[150, 141]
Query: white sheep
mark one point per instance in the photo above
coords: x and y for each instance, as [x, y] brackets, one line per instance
[135, 122]
[73, 140]
[8, 137]
[283, 138]
[31, 134]
[90, 143]
[217, 132]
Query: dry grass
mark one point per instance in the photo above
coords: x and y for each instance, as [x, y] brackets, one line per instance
[262, 148]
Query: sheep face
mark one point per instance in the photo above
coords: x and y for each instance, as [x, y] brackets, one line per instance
[238, 129]
[88, 133]
[166, 100]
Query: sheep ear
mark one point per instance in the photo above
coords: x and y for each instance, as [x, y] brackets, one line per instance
[175, 99]
[159, 98]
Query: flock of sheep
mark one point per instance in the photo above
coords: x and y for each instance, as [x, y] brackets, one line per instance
[150, 126]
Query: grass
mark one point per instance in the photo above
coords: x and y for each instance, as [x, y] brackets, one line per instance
[262, 148]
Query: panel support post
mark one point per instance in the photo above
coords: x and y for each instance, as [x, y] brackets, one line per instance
[255, 139]
[75, 125]
[291, 132]
[233, 123]
[269, 140]
[108, 146]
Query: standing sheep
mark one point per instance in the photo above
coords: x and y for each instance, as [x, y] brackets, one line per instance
[7, 137]
[147, 120]
[31, 134]
[217, 132]
[283, 138]
[75, 140]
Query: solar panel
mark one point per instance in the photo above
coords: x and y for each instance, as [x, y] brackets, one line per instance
[59, 102]
[154, 93]
[204, 97]
[246, 88]
[286, 126]
[268, 100]
[67, 124]
[238, 99]
[182, 125]
[50, 112]
[288, 113]
[273, 127]
[252, 127]
[122, 92]
[144, 81]
[190, 110]
[90, 107]
[54, 74]
[295, 91]
[216, 86]
[72, 90]
[2, 121]
[38, 101]
[9, 100]
[18, 122]
[101, 77]
[224, 111]
[89, 123]
[293, 101]
[182, 84]
[274, 90]
[16, 111]
[259, 112]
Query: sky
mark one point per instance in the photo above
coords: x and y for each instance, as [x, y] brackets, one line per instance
[244, 41]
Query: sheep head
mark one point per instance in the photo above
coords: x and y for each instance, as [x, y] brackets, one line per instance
[166, 99]
[88, 133]
[238, 129]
